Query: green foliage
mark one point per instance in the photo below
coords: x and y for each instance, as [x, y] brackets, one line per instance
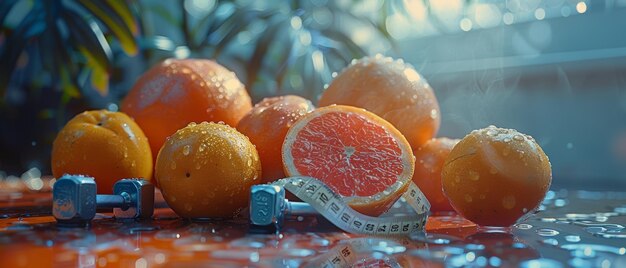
[288, 48]
[61, 57]
[276, 47]
[69, 38]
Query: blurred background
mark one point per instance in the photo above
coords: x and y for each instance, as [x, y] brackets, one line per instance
[554, 69]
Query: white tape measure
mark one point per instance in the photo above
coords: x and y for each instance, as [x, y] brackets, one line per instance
[350, 252]
[333, 208]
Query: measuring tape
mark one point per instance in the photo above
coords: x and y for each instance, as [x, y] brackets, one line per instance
[351, 252]
[331, 205]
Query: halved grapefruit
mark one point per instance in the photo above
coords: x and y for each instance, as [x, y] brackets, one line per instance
[359, 155]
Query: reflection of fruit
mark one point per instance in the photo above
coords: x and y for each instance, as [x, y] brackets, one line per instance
[493, 176]
[206, 171]
[266, 126]
[393, 91]
[177, 92]
[108, 146]
[508, 248]
[429, 159]
[356, 153]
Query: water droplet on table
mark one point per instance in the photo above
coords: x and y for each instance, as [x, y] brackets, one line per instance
[547, 232]
[541, 262]
[523, 226]
[572, 238]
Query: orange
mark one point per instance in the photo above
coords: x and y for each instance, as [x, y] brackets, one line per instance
[429, 159]
[177, 92]
[108, 146]
[494, 176]
[359, 155]
[266, 126]
[206, 171]
[391, 89]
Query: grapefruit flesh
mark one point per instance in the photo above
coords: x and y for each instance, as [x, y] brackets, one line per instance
[359, 155]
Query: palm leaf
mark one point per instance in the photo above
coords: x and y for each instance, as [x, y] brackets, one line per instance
[233, 26]
[123, 10]
[88, 35]
[355, 50]
[5, 7]
[260, 51]
[286, 61]
[115, 23]
[15, 43]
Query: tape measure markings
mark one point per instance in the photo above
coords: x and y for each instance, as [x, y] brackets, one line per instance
[346, 254]
[331, 206]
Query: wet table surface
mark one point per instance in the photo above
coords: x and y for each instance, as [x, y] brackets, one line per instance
[572, 228]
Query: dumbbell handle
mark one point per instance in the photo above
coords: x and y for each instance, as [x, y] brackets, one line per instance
[122, 201]
[299, 208]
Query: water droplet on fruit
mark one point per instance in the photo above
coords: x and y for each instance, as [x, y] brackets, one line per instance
[192, 124]
[186, 149]
[173, 165]
[492, 132]
[508, 202]
[468, 198]
[518, 137]
[434, 114]
[473, 175]
[507, 139]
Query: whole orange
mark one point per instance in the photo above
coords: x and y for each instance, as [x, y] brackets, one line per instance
[206, 170]
[494, 176]
[108, 146]
[429, 159]
[177, 92]
[266, 126]
[392, 90]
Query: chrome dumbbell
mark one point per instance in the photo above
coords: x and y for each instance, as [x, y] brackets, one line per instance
[268, 206]
[74, 200]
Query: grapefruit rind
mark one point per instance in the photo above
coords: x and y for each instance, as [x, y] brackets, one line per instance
[375, 204]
